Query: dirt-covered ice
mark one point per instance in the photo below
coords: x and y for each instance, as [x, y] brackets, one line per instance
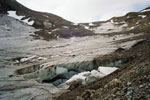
[20, 51]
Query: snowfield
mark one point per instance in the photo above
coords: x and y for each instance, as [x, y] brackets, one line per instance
[109, 27]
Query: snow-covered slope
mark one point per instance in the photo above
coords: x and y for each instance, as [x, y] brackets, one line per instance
[128, 22]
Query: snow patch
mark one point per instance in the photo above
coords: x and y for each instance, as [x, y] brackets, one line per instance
[14, 15]
[107, 70]
[109, 27]
[46, 16]
[138, 22]
[31, 58]
[132, 28]
[41, 58]
[80, 76]
[112, 21]
[145, 10]
[65, 27]
[90, 76]
[91, 24]
[27, 58]
[56, 29]
[143, 16]
[49, 33]
[128, 16]
[97, 74]
[86, 27]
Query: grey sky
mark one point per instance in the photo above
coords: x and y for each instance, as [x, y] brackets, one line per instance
[86, 10]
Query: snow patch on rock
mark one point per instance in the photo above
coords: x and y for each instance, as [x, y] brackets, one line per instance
[30, 58]
[81, 76]
[27, 58]
[145, 10]
[91, 24]
[56, 29]
[131, 28]
[143, 16]
[109, 27]
[65, 27]
[14, 15]
[86, 27]
[107, 70]
[90, 76]
[41, 58]
[112, 21]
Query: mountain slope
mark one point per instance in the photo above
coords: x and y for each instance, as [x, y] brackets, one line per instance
[52, 26]
[131, 21]
[72, 65]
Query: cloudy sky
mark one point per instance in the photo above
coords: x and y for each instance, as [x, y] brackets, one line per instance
[86, 10]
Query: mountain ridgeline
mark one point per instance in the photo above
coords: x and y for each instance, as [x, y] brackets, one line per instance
[52, 26]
